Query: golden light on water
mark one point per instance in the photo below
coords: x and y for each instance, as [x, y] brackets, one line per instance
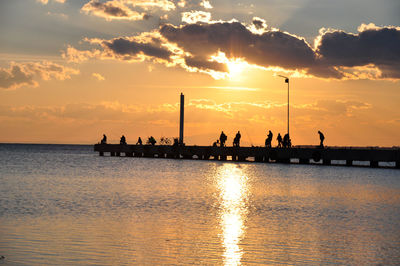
[233, 190]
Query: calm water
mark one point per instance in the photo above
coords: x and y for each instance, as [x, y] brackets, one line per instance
[63, 204]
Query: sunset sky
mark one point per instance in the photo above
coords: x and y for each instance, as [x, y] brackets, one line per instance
[72, 70]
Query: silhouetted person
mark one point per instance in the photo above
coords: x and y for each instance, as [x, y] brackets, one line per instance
[222, 139]
[268, 140]
[104, 139]
[122, 140]
[286, 141]
[279, 139]
[215, 144]
[152, 141]
[139, 141]
[236, 140]
[321, 138]
[176, 142]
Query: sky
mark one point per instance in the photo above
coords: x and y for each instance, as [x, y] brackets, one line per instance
[71, 71]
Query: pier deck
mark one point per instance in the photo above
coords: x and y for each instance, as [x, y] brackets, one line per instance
[300, 154]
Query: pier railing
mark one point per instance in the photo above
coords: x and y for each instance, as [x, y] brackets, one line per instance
[372, 156]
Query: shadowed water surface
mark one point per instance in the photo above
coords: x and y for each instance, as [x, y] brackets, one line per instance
[63, 204]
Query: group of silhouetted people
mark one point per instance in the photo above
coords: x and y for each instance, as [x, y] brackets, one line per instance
[223, 138]
[122, 140]
[284, 142]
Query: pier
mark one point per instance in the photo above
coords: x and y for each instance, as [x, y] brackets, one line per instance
[346, 156]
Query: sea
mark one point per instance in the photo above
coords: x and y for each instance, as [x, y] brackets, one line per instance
[66, 205]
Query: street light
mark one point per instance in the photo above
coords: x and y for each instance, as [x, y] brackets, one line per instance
[287, 81]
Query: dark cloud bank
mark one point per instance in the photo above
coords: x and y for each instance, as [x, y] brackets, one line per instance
[336, 54]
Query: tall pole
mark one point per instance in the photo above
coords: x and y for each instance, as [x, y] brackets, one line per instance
[181, 119]
[287, 81]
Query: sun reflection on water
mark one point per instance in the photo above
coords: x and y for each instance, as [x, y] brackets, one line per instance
[233, 191]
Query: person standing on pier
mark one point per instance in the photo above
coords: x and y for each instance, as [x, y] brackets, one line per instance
[222, 139]
[236, 140]
[279, 139]
[287, 143]
[321, 138]
[122, 140]
[139, 141]
[268, 140]
[104, 140]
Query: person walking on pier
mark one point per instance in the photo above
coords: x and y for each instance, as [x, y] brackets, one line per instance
[122, 140]
[222, 139]
[139, 141]
[279, 139]
[236, 140]
[268, 140]
[104, 139]
[321, 138]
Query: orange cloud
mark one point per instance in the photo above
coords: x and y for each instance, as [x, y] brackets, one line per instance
[98, 76]
[27, 74]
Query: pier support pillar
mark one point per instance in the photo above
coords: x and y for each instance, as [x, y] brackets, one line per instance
[242, 158]
[304, 161]
[101, 153]
[112, 153]
[258, 159]
[283, 160]
[349, 162]
[222, 158]
[373, 163]
[326, 162]
[118, 154]
[398, 164]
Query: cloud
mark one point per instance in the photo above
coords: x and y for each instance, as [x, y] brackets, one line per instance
[98, 76]
[374, 51]
[27, 74]
[72, 54]
[206, 4]
[165, 5]
[130, 49]
[111, 10]
[206, 46]
[45, 2]
[58, 15]
[272, 48]
[193, 17]
[126, 9]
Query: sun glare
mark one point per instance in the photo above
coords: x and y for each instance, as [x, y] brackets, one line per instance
[236, 67]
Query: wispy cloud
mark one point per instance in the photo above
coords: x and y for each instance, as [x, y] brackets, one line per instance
[45, 2]
[126, 9]
[191, 17]
[98, 76]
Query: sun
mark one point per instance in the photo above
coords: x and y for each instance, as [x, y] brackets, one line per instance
[236, 67]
